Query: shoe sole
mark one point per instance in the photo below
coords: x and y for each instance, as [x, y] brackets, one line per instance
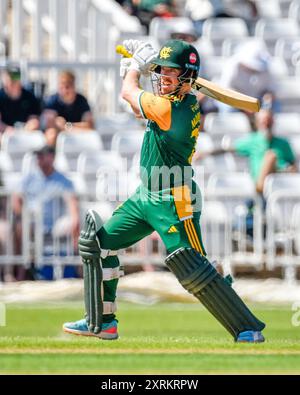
[251, 342]
[101, 335]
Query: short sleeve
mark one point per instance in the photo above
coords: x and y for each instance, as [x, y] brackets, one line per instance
[289, 153]
[243, 146]
[156, 108]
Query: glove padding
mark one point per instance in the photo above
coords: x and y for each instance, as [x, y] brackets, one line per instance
[124, 66]
[142, 55]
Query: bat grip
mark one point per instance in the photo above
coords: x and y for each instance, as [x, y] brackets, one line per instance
[121, 50]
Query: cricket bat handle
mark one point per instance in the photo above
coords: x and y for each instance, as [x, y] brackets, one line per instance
[121, 50]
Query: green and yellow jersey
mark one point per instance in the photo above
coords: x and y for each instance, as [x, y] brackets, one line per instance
[170, 139]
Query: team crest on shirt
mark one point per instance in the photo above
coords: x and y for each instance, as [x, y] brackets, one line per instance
[165, 53]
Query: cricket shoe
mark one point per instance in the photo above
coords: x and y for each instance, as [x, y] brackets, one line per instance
[109, 330]
[250, 337]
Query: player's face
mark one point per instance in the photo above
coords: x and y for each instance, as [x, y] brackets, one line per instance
[169, 80]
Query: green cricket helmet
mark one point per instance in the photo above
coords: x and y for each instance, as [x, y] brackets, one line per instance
[180, 55]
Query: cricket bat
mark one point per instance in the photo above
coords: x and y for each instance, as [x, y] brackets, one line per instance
[216, 92]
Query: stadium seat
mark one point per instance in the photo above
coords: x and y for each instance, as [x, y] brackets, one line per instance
[70, 145]
[216, 230]
[268, 9]
[282, 194]
[127, 143]
[294, 10]
[15, 146]
[212, 67]
[281, 182]
[273, 29]
[286, 123]
[230, 185]
[289, 50]
[217, 29]
[161, 28]
[229, 123]
[295, 143]
[108, 125]
[91, 162]
[288, 93]
[237, 192]
[278, 67]
[205, 47]
[231, 45]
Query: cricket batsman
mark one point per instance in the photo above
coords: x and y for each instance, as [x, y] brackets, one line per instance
[167, 201]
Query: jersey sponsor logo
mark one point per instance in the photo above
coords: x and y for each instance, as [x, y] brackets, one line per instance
[173, 229]
[193, 58]
[165, 53]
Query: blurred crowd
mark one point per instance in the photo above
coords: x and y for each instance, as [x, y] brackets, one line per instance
[247, 70]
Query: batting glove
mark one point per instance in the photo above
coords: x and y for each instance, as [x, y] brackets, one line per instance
[124, 66]
[132, 45]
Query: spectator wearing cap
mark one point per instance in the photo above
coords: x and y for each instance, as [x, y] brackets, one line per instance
[248, 72]
[17, 105]
[50, 190]
[66, 109]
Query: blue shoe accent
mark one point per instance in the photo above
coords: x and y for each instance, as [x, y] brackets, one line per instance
[109, 330]
[250, 337]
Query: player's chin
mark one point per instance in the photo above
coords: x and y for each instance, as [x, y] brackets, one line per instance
[166, 89]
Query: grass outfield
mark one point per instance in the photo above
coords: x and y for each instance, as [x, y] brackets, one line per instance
[160, 339]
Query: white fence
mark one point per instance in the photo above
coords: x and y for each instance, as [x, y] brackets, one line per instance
[224, 233]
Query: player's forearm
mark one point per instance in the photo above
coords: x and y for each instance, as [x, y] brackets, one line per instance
[130, 89]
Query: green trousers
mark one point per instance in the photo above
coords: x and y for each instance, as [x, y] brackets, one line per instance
[174, 214]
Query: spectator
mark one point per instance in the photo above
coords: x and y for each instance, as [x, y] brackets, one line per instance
[146, 10]
[248, 72]
[66, 110]
[184, 30]
[267, 153]
[54, 193]
[17, 105]
[200, 10]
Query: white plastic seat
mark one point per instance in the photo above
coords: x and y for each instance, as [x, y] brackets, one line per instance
[294, 10]
[212, 67]
[69, 146]
[289, 50]
[231, 184]
[278, 67]
[227, 123]
[268, 9]
[288, 93]
[15, 146]
[219, 28]
[231, 45]
[90, 163]
[295, 143]
[161, 28]
[273, 29]
[204, 142]
[286, 123]
[127, 143]
[281, 182]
